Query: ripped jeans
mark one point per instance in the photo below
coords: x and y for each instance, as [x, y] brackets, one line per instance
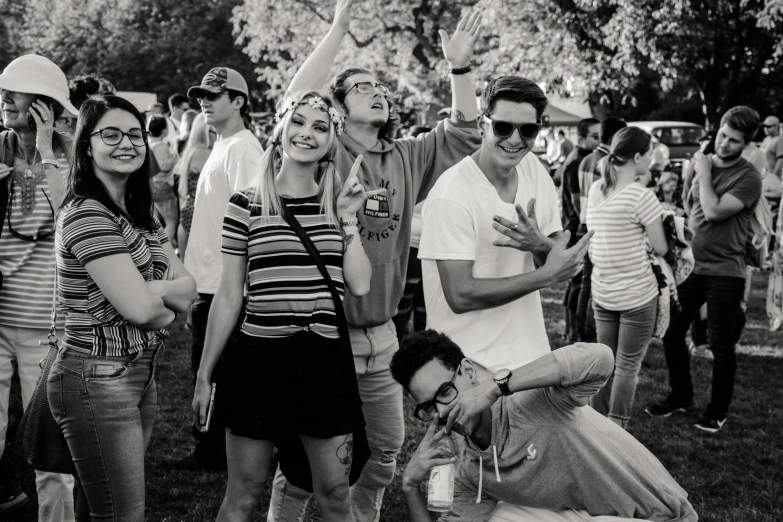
[381, 396]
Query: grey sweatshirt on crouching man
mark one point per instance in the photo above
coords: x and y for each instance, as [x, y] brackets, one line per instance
[555, 452]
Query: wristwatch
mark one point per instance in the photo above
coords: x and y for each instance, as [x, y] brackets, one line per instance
[501, 378]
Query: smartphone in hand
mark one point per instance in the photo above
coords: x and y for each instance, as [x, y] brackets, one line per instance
[211, 407]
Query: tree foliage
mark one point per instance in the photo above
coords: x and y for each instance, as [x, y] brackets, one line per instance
[161, 46]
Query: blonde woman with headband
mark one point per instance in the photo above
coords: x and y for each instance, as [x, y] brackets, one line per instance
[622, 214]
[285, 373]
[188, 169]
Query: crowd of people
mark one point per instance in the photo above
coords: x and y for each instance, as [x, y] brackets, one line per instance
[340, 265]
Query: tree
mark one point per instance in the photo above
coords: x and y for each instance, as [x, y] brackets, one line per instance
[161, 46]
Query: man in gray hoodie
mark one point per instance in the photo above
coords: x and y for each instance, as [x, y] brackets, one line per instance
[530, 440]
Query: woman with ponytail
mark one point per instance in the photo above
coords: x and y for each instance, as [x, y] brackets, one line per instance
[623, 214]
[284, 371]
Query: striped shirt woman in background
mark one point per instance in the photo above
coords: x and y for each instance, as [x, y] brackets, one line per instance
[287, 371]
[119, 285]
[623, 214]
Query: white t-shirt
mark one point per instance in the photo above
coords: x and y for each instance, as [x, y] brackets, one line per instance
[231, 166]
[457, 219]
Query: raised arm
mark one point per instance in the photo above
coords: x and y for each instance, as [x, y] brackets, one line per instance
[716, 209]
[314, 71]
[458, 50]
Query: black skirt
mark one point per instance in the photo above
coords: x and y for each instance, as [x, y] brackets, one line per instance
[303, 384]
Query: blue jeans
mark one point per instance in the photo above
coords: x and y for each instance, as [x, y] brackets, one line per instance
[627, 333]
[106, 407]
[381, 396]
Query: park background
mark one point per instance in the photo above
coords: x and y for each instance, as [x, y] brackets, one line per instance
[684, 60]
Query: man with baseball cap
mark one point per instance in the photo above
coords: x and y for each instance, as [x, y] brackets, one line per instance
[33, 176]
[772, 146]
[224, 99]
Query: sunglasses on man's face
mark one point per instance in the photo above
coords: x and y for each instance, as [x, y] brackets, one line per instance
[210, 96]
[504, 129]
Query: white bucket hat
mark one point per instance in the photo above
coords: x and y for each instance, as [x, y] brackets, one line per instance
[34, 74]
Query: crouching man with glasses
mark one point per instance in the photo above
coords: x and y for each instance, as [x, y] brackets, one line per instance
[529, 447]
[480, 248]
[33, 171]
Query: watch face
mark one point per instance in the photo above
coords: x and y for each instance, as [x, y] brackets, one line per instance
[502, 375]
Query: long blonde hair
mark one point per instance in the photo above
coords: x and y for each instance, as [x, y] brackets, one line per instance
[262, 190]
[625, 145]
[197, 139]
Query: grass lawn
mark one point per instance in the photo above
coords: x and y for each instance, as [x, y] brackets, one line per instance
[732, 476]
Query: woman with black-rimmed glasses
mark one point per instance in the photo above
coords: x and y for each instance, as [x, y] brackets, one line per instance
[119, 285]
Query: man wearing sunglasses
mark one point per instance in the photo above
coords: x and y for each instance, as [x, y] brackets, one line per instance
[528, 438]
[224, 100]
[406, 168]
[33, 174]
[772, 146]
[480, 249]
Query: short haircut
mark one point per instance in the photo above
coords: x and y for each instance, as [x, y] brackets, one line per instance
[420, 348]
[583, 127]
[514, 89]
[561, 132]
[609, 128]
[245, 110]
[742, 119]
[175, 100]
[156, 125]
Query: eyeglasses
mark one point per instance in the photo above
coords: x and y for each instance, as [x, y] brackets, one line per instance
[445, 395]
[504, 129]
[25, 237]
[369, 88]
[210, 96]
[112, 136]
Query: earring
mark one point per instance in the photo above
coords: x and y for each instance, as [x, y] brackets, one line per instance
[89, 153]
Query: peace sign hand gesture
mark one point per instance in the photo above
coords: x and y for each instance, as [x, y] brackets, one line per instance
[523, 235]
[458, 50]
[353, 195]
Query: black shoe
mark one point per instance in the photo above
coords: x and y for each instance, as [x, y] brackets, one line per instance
[12, 498]
[191, 462]
[709, 424]
[668, 407]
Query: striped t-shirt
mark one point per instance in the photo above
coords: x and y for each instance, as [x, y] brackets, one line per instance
[286, 292]
[622, 278]
[86, 231]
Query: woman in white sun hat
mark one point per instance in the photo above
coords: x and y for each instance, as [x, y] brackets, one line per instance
[33, 170]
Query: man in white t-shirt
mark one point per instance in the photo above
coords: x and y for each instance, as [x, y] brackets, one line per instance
[223, 97]
[480, 249]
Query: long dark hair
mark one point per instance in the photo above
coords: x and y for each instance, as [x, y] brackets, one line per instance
[339, 90]
[82, 181]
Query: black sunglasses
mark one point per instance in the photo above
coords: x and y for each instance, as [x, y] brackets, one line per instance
[504, 129]
[19, 235]
[445, 395]
[210, 96]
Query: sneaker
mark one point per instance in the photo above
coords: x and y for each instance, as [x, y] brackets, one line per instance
[667, 408]
[11, 498]
[709, 424]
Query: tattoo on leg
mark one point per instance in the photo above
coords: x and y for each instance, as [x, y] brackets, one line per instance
[345, 451]
[457, 115]
[347, 241]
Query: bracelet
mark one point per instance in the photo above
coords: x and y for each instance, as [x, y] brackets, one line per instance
[352, 223]
[461, 70]
[45, 162]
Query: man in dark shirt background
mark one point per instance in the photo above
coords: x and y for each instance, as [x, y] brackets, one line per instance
[588, 133]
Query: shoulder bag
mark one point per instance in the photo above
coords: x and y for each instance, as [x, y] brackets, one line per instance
[292, 455]
[39, 440]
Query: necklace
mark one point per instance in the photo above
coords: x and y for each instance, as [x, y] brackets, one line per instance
[27, 183]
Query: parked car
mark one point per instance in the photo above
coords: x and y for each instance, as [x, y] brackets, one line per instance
[681, 137]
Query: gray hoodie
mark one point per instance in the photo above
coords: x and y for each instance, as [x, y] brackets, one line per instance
[551, 451]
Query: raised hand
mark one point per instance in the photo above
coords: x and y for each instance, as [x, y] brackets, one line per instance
[353, 195]
[43, 115]
[342, 16]
[458, 50]
[524, 234]
[703, 163]
[428, 455]
[563, 263]
[470, 403]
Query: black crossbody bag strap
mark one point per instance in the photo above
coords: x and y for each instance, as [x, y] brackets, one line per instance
[313, 251]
